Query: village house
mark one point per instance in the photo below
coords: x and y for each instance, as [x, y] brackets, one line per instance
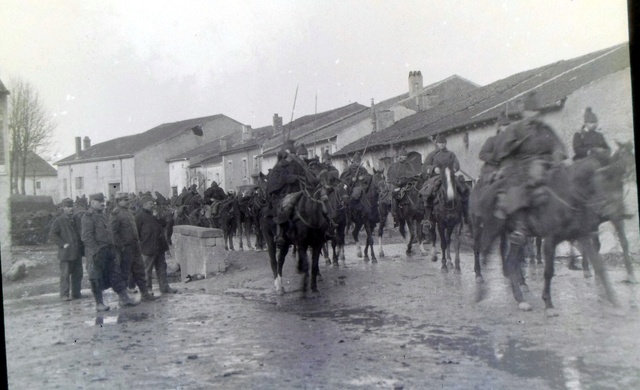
[600, 80]
[137, 163]
[241, 163]
[187, 168]
[40, 178]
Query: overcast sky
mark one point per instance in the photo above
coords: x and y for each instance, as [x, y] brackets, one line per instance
[106, 69]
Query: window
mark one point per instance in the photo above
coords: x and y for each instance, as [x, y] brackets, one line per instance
[255, 163]
[79, 183]
[245, 168]
[174, 191]
[38, 185]
[64, 188]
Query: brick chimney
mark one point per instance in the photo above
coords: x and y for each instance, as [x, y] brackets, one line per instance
[86, 143]
[78, 146]
[415, 83]
[247, 133]
[277, 124]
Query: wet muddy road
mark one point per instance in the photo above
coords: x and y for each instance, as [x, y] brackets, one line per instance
[399, 323]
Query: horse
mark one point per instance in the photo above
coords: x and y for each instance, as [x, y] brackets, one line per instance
[306, 229]
[573, 203]
[255, 208]
[384, 204]
[410, 211]
[226, 220]
[363, 211]
[337, 213]
[245, 221]
[447, 220]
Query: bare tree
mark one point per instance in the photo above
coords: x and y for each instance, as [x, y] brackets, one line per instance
[31, 129]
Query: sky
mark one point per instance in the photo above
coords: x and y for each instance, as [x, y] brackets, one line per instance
[106, 69]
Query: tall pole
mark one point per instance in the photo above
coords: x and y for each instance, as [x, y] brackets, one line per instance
[295, 98]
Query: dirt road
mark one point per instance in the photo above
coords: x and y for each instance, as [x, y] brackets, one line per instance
[400, 323]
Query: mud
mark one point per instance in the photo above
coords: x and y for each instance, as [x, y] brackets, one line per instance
[399, 323]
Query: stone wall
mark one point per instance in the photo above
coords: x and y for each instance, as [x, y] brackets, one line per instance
[198, 250]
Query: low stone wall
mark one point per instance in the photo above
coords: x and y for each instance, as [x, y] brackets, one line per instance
[198, 250]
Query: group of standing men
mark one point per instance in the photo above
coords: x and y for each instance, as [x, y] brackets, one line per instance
[116, 247]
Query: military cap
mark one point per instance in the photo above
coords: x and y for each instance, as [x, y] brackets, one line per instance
[326, 157]
[288, 145]
[146, 199]
[502, 119]
[193, 187]
[122, 195]
[97, 196]
[67, 202]
[441, 139]
[589, 116]
[531, 102]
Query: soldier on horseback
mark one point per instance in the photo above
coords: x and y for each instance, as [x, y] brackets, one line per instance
[285, 185]
[588, 140]
[488, 153]
[525, 151]
[434, 163]
[400, 174]
[355, 168]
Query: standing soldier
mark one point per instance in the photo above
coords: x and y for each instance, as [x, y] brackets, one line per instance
[125, 238]
[65, 233]
[588, 140]
[153, 244]
[101, 255]
[525, 151]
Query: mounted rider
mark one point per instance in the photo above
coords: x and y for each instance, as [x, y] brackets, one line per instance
[285, 186]
[433, 165]
[526, 151]
[401, 173]
[328, 165]
[355, 168]
[588, 140]
[488, 153]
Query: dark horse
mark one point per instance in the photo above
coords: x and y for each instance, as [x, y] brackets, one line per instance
[410, 210]
[384, 204]
[307, 228]
[447, 218]
[363, 211]
[575, 200]
[337, 213]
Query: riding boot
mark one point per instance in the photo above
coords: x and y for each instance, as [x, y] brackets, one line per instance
[97, 294]
[146, 296]
[125, 300]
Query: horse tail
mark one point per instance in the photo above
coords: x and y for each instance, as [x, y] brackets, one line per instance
[449, 184]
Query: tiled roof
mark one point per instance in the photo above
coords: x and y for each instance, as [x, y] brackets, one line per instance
[208, 149]
[260, 135]
[553, 83]
[303, 126]
[37, 166]
[132, 144]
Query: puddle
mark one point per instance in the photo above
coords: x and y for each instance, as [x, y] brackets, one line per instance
[108, 319]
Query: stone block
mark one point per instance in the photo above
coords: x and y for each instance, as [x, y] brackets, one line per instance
[196, 251]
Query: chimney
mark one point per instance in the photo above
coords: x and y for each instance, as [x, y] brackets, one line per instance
[78, 146]
[86, 143]
[277, 124]
[415, 83]
[246, 133]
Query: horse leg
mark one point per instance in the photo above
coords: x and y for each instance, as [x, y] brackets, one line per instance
[315, 269]
[539, 250]
[325, 252]
[354, 234]
[458, 233]
[549, 250]
[303, 266]
[444, 243]
[383, 222]
[514, 272]
[572, 258]
[412, 233]
[587, 249]
[619, 225]
[240, 232]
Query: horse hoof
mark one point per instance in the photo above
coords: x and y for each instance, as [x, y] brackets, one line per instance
[434, 259]
[374, 260]
[457, 271]
[444, 270]
[381, 254]
[479, 280]
[366, 259]
[327, 262]
[524, 306]
[587, 274]
[551, 312]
